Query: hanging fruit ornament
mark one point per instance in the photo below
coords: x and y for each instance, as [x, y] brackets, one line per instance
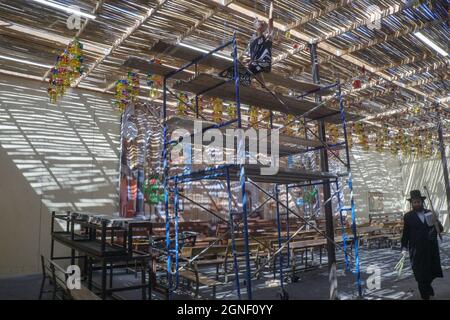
[231, 110]
[217, 105]
[395, 143]
[333, 133]
[415, 109]
[403, 142]
[417, 145]
[428, 149]
[59, 77]
[153, 193]
[253, 117]
[200, 104]
[350, 130]
[289, 125]
[122, 95]
[310, 196]
[75, 53]
[181, 104]
[265, 116]
[379, 141]
[154, 82]
[67, 68]
[361, 133]
[287, 35]
[133, 85]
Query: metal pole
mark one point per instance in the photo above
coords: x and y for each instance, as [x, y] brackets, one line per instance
[352, 200]
[166, 191]
[175, 203]
[329, 228]
[344, 233]
[280, 257]
[287, 227]
[242, 171]
[233, 241]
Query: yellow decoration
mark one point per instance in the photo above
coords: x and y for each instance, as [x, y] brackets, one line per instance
[253, 117]
[333, 133]
[289, 125]
[231, 110]
[266, 117]
[350, 136]
[417, 145]
[217, 105]
[181, 104]
[360, 131]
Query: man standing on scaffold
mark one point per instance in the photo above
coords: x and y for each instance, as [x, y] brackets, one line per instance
[258, 55]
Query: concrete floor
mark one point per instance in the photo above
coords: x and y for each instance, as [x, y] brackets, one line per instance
[311, 285]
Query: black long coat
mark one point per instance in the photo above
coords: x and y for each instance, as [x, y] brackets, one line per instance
[422, 242]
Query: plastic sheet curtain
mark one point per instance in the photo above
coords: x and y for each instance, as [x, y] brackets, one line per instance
[139, 158]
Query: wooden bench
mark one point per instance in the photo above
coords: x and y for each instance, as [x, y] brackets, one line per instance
[219, 255]
[212, 256]
[58, 279]
[390, 228]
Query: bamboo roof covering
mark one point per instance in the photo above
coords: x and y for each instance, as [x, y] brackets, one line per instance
[397, 70]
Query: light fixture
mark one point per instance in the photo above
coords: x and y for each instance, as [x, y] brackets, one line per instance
[66, 9]
[204, 51]
[430, 43]
[26, 62]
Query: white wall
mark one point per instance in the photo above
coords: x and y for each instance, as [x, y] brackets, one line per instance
[376, 172]
[53, 157]
[427, 172]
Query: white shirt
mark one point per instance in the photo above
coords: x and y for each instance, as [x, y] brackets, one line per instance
[421, 216]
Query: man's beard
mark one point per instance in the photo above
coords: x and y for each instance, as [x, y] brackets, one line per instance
[421, 208]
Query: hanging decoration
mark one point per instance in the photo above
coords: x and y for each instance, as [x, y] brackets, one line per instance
[153, 191]
[361, 133]
[182, 104]
[122, 95]
[201, 104]
[395, 143]
[154, 81]
[133, 85]
[75, 50]
[356, 84]
[417, 145]
[289, 125]
[428, 145]
[350, 130]
[217, 106]
[67, 68]
[231, 110]
[266, 117]
[253, 117]
[404, 143]
[310, 196]
[333, 133]
[382, 138]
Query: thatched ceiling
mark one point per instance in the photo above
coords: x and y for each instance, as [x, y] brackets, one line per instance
[400, 70]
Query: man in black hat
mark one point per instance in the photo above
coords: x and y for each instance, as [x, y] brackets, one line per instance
[420, 232]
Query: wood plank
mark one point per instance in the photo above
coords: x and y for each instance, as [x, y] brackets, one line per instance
[145, 66]
[202, 279]
[256, 97]
[189, 54]
[287, 144]
[83, 294]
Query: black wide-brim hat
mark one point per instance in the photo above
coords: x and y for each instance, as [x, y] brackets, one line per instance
[415, 194]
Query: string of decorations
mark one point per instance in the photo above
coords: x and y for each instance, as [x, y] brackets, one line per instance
[67, 68]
